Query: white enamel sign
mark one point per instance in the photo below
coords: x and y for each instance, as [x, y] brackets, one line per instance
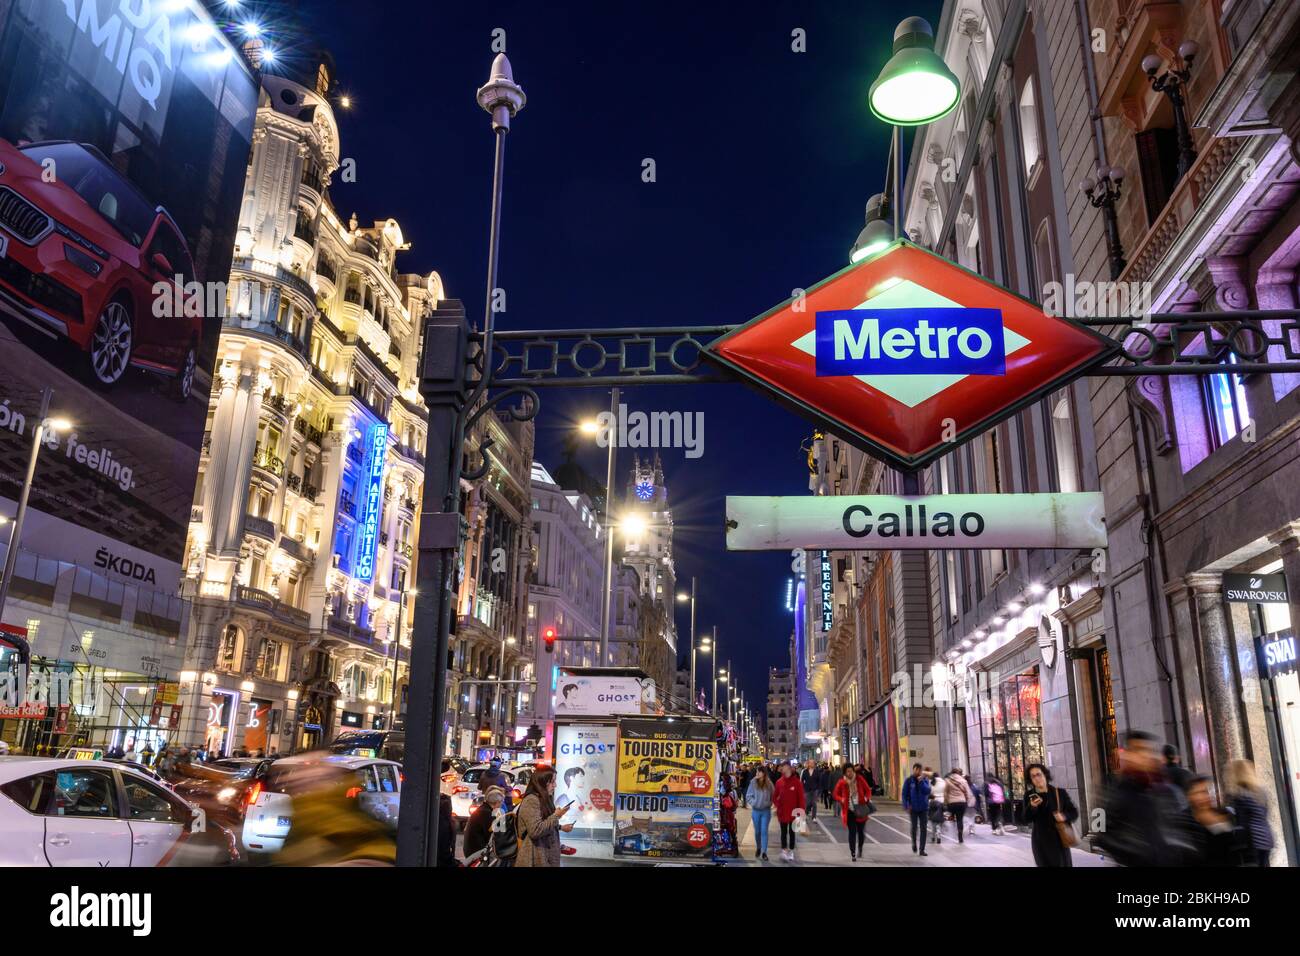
[894, 522]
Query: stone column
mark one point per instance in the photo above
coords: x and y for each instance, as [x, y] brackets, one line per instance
[1229, 738]
[228, 517]
[1184, 619]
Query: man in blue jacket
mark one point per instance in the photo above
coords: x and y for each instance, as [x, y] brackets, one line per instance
[916, 797]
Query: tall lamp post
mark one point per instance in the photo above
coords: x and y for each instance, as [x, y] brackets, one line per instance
[706, 647]
[607, 599]
[44, 424]
[691, 597]
[914, 88]
[453, 402]
[397, 655]
[1173, 83]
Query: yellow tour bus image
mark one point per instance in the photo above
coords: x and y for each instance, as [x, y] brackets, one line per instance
[667, 775]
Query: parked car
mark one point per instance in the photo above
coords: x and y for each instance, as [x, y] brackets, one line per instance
[376, 786]
[80, 256]
[465, 793]
[97, 813]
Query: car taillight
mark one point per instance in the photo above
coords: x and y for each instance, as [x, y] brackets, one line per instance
[254, 792]
[515, 794]
[352, 792]
[460, 789]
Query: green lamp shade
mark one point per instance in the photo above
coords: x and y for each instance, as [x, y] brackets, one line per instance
[874, 237]
[914, 88]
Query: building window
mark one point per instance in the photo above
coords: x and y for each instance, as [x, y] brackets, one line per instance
[270, 661]
[228, 652]
[1225, 403]
[1029, 128]
[1067, 466]
[353, 682]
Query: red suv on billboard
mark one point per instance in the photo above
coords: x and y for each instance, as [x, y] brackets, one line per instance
[81, 251]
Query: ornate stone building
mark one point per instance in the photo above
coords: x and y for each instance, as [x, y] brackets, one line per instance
[302, 538]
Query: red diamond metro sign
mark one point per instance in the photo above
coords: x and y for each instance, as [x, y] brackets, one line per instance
[908, 355]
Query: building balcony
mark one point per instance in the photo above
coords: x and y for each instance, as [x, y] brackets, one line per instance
[265, 270]
[260, 528]
[261, 601]
[271, 464]
[296, 549]
[308, 431]
[410, 454]
[342, 627]
[249, 325]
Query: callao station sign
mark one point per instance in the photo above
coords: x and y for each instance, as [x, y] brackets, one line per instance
[908, 355]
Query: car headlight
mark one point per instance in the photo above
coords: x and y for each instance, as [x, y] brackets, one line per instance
[225, 793]
[82, 260]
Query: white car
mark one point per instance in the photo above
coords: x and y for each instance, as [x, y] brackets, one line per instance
[269, 816]
[57, 812]
[465, 792]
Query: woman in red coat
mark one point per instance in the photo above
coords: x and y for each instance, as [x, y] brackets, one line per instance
[788, 799]
[852, 794]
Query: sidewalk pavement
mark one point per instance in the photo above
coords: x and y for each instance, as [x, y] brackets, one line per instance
[888, 843]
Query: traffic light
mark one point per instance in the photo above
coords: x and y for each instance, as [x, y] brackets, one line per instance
[548, 637]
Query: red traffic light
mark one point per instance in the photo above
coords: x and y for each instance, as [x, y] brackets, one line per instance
[548, 637]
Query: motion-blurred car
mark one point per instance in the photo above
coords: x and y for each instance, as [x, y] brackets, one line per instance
[80, 255]
[385, 744]
[224, 787]
[95, 813]
[375, 785]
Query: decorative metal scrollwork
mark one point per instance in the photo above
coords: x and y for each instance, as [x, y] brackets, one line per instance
[599, 357]
[524, 411]
[1204, 343]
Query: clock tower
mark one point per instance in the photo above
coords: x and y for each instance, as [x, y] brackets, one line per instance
[651, 551]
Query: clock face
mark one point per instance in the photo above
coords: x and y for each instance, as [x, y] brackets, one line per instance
[645, 490]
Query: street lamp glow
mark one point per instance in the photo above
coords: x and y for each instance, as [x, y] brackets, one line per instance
[916, 86]
[633, 526]
[683, 597]
[877, 234]
[590, 426]
[251, 28]
[58, 424]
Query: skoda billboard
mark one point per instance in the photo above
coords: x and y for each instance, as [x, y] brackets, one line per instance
[125, 129]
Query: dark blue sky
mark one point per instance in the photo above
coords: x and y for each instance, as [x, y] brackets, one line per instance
[765, 159]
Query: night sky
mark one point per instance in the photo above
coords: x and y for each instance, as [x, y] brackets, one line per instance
[765, 159]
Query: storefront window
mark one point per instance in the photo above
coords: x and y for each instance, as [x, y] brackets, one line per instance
[1011, 728]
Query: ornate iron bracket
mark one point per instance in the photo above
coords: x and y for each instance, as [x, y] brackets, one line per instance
[1203, 343]
[601, 357]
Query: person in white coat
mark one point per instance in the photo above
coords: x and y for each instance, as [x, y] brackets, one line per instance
[938, 801]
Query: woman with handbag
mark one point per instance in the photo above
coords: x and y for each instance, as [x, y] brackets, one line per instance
[854, 798]
[1051, 813]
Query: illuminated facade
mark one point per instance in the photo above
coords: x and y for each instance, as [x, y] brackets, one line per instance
[302, 541]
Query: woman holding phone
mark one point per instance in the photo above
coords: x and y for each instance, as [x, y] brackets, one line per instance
[539, 822]
[1052, 813]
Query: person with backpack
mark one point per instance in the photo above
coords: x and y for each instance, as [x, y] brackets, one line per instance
[995, 798]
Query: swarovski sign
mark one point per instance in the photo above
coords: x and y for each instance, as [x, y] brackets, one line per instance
[885, 522]
[1255, 588]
